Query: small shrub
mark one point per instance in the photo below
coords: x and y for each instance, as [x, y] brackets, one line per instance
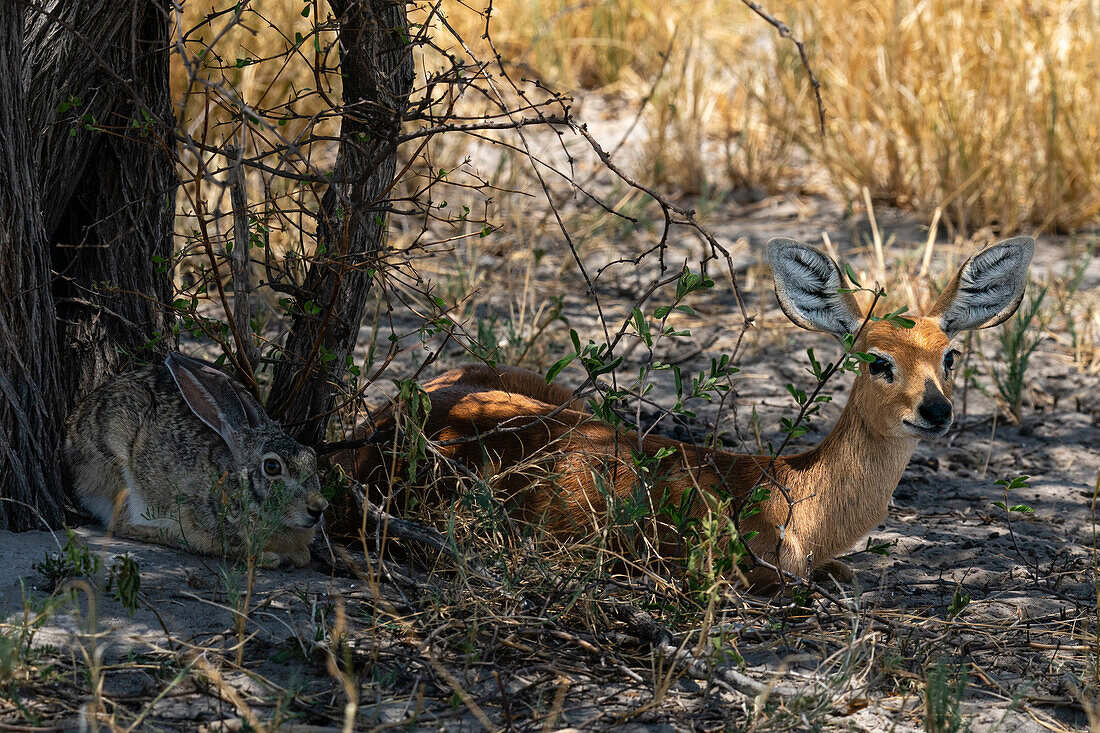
[942, 699]
[1019, 339]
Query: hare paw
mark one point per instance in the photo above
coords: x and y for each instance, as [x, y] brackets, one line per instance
[833, 570]
[298, 558]
[268, 560]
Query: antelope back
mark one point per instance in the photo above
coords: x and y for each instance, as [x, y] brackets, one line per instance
[543, 455]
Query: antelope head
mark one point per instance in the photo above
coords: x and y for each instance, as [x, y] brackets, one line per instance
[905, 391]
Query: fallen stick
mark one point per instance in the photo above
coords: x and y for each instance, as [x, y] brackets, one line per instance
[646, 628]
[406, 530]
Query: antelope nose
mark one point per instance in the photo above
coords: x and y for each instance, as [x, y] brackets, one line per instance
[936, 412]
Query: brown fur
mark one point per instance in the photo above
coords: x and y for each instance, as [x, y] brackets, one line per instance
[840, 489]
[143, 462]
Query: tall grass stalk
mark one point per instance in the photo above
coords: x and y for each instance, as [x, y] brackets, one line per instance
[942, 700]
[1019, 339]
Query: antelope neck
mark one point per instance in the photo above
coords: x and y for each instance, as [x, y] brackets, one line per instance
[854, 455]
[848, 478]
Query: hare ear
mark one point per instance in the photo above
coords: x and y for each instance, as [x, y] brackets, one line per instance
[808, 285]
[253, 409]
[987, 289]
[211, 395]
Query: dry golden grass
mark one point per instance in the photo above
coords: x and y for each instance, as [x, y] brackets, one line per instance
[987, 110]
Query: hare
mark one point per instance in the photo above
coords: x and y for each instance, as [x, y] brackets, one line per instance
[180, 454]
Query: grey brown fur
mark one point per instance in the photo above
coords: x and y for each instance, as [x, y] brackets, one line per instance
[179, 453]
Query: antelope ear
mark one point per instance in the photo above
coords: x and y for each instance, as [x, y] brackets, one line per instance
[987, 289]
[808, 285]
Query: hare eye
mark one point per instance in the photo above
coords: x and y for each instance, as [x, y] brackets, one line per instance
[273, 467]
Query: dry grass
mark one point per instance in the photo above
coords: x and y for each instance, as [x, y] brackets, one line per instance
[986, 110]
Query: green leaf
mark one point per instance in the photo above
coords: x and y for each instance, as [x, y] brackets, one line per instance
[610, 367]
[690, 282]
[642, 327]
[958, 602]
[558, 366]
[799, 395]
[851, 275]
[815, 365]
[898, 320]
[797, 431]
[1020, 508]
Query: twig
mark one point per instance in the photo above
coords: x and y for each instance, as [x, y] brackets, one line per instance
[785, 32]
[242, 275]
[645, 627]
[406, 530]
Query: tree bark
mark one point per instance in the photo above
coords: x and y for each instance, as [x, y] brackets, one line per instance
[109, 197]
[85, 149]
[30, 408]
[377, 66]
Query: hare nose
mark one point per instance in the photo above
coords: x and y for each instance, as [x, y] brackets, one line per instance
[316, 506]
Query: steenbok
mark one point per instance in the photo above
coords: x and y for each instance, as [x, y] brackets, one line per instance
[557, 464]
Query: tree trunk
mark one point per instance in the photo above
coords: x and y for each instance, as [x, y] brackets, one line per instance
[85, 106]
[84, 103]
[108, 198]
[30, 408]
[377, 66]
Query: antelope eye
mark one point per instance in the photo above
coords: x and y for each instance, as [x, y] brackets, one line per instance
[273, 467]
[949, 360]
[882, 367]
